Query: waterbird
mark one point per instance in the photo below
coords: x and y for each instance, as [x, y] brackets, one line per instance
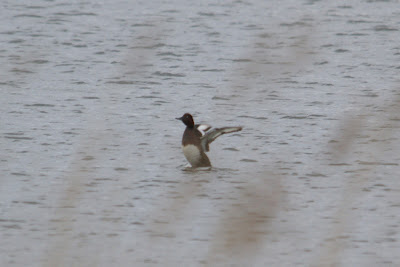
[197, 138]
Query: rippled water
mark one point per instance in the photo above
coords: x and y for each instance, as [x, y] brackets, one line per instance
[92, 173]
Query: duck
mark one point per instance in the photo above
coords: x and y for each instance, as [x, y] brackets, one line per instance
[197, 138]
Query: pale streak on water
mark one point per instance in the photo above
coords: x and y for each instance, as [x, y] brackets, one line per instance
[91, 168]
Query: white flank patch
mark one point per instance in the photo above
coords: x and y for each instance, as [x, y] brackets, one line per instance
[192, 153]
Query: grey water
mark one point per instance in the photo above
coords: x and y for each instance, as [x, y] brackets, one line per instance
[91, 167]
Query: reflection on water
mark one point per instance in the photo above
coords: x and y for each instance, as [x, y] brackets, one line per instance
[91, 167]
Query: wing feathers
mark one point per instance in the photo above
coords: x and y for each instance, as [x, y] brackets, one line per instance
[203, 128]
[210, 136]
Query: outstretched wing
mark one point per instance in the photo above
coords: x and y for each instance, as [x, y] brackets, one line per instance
[210, 136]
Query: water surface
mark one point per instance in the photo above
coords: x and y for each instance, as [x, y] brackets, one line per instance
[91, 168]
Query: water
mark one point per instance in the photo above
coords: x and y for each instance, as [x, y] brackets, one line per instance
[92, 173]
